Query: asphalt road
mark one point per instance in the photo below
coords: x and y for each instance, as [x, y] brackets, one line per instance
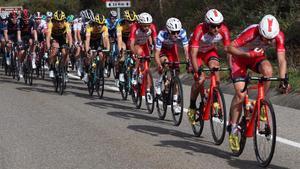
[40, 129]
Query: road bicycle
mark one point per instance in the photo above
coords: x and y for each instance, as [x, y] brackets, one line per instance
[212, 107]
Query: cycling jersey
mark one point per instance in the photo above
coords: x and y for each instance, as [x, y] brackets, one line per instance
[139, 36]
[164, 39]
[26, 29]
[123, 29]
[58, 32]
[41, 29]
[248, 40]
[97, 32]
[112, 27]
[205, 41]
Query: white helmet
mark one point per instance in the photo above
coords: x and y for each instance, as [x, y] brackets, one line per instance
[269, 27]
[145, 18]
[49, 14]
[213, 16]
[173, 24]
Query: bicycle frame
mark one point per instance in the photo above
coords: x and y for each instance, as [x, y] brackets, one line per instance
[213, 84]
[256, 110]
[143, 68]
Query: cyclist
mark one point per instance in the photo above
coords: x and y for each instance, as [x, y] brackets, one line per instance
[49, 15]
[140, 33]
[248, 52]
[41, 28]
[123, 32]
[96, 34]
[166, 48]
[60, 31]
[28, 29]
[112, 23]
[203, 47]
[2, 25]
[12, 33]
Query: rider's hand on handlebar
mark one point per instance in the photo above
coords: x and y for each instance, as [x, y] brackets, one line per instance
[285, 87]
[257, 52]
[160, 68]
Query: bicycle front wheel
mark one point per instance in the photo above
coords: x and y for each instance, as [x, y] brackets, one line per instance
[218, 116]
[176, 101]
[99, 86]
[265, 134]
[150, 93]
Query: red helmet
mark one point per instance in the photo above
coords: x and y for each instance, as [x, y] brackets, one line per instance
[25, 14]
[13, 14]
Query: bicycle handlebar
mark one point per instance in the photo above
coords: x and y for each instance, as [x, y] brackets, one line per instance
[261, 79]
[215, 69]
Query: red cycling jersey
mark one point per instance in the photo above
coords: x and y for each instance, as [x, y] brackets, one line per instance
[206, 42]
[139, 36]
[248, 40]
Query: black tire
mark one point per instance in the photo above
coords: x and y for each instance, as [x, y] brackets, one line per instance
[149, 105]
[25, 73]
[99, 85]
[218, 116]
[199, 122]
[177, 116]
[138, 102]
[241, 135]
[162, 103]
[30, 76]
[90, 84]
[123, 87]
[266, 133]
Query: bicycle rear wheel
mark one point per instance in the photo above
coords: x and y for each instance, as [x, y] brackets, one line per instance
[218, 116]
[176, 103]
[265, 134]
[149, 101]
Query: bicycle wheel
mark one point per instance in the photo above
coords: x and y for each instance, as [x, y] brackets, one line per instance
[149, 101]
[265, 134]
[90, 84]
[30, 73]
[176, 104]
[218, 116]
[99, 85]
[199, 122]
[25, 72]
[162, 102]
[242, 125]
[123, 87]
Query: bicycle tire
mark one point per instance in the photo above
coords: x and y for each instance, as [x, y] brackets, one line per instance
[99, 86]
[266, 133]
[199, 122]
[177, 117]
[219, 116]
[123, 87]
[241, 135]
[149, 105]
[139, 96]
[163, 106]
[90, 84]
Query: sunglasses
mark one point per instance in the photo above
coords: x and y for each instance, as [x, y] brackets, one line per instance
[213, 26]
[175, 32]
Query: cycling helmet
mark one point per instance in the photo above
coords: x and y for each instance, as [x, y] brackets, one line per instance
[59, 15]
[213, 16]
[173, 24]
[44, 17]
[269, 27]
[25, 14]
[38, 15]
[89, 14]
[113, 14]
[145, 18]
[100, 19]
[13, 14]
[129, 15]
[70, 18]
[49, 14]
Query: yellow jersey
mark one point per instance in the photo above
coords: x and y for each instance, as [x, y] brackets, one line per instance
[59, 30]
[97, 32]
